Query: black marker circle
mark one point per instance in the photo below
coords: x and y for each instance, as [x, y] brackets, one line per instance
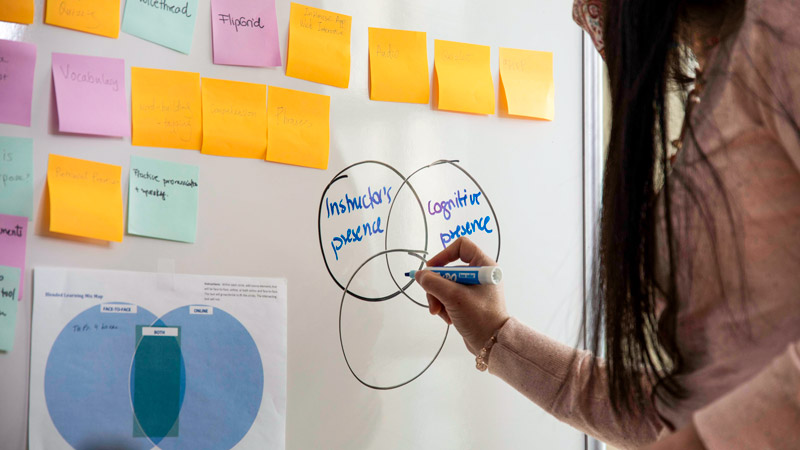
[416, 253]
[340, 176]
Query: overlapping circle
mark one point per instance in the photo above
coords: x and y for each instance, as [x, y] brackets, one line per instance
[361, 204]
[120, 380]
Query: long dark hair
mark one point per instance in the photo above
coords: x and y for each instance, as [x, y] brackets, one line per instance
[644, 60]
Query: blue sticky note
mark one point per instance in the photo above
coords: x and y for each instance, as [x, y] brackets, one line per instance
[16, 176]
[166, 22]
[9, 293]
[162, 199]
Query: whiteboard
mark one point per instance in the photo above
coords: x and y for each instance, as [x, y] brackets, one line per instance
[261, 219]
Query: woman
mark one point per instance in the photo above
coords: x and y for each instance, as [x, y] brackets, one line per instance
[697, 292]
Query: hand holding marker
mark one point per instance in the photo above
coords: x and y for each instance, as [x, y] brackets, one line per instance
[466, 274]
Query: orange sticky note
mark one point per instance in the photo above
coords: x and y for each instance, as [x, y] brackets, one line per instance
[85, 198]
[319, 46]
[234, 118]
[526, 83]
[91, 16]
[299, 128]
[463, 76]
[398, 66]
[19, 11]
[165, 108]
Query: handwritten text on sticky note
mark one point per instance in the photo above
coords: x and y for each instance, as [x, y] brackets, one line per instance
[319, 46]
[90, 16]
[85, 198]
[166, 22]
[234, 118]
[245, 33]
[17, 63]
[299, 128]
[165, 108]
[526, 83]
[398, 66]
[16, 176]
[9, 302]
[463, 77]
[13, 241]
[162, 199]
[90, 95]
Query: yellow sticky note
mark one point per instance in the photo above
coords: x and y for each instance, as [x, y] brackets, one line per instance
[319, 46]
[234, 118]
[299, 128]
[85, 198]
[398, 66]
[463, 77]
[165, 108]
[19, 11]
[91, 16]
[526, 83]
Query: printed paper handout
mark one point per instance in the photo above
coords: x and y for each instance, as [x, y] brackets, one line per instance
[157, 361]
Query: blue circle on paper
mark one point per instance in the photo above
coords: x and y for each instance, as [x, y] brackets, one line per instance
[224, 380]
[86, 382]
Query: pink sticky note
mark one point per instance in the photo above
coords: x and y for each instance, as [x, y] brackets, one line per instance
[13, 237]
[90, 95]
[17, 61]
[245, 33]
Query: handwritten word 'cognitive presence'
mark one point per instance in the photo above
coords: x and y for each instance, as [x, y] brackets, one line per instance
[88, 77]
[242, 22]
[472, 226]
[459, 200]
[164, 6]
[366, 201]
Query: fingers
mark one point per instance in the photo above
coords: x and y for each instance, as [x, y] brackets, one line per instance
[434, 305]
[443, 290]
[463, 249]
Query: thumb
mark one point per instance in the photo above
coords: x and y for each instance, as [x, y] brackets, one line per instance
[444, 290]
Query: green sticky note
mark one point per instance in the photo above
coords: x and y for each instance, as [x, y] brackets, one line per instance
[162, 199]
[16, 176]
[166, 22]
[9, 287]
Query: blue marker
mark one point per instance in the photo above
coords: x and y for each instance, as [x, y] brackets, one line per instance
[466, 274]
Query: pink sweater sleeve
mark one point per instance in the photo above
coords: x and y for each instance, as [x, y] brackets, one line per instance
[762, 413]
[540, 368]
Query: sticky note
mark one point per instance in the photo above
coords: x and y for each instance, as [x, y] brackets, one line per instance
[13, 240]
[19, 11]
[319, 46]
[16, 176]
[299, 128]
[245, 33]
[90, 16]
[463, 76]
[234, 118]
[526, 83]
[166, 22]
[9, 299]
[398, 66]
[85, 198]
[162, 199]
[166, 109]
[90, 95]
[17, 64]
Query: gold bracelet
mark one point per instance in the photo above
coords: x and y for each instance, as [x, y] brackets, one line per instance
[482, 358]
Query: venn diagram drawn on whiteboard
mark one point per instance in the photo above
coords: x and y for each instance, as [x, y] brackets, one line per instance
[211, 352]
[375, 224]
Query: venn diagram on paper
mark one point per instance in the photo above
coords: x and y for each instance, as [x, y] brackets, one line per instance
[376, 224]
[119, 377]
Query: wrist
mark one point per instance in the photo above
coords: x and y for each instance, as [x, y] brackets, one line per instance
[482, 355]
